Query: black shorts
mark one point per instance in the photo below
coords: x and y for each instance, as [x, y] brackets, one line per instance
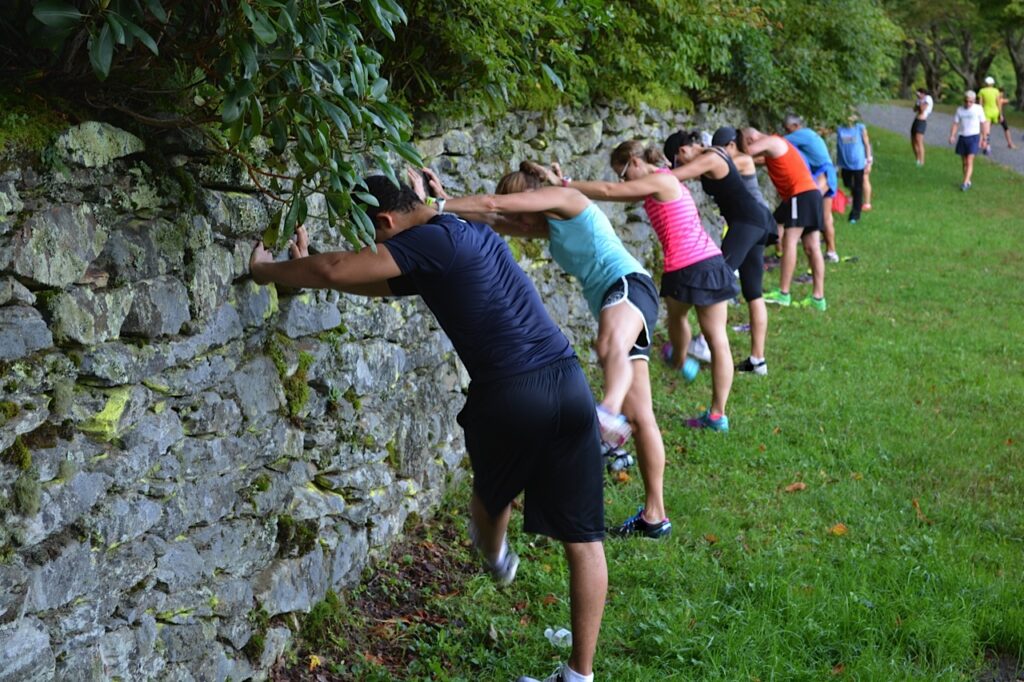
[1002, 122]
[803, 210]
[918, 127]
[537, 432]
[637, 291]
[702, 283]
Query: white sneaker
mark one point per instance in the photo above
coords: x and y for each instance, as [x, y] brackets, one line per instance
[503, 571]
[615, 430]
[832, 256]
[698, 349]
[554, 677]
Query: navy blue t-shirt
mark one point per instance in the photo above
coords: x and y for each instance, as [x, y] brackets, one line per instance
[484, 302]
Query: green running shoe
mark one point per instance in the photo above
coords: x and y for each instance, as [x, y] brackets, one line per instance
[778, 298]
[818, 304]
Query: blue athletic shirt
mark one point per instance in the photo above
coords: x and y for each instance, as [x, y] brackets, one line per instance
[850, 152]
[587, 248]
[483, 301]
[813, 148]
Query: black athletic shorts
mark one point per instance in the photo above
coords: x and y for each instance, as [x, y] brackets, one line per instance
[702, 283]
[803, 210]
[538, 432]
[918, 127]
[637, 291]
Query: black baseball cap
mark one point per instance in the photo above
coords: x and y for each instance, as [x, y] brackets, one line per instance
[723, 136]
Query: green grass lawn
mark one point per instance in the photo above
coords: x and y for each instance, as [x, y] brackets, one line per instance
[900, 410]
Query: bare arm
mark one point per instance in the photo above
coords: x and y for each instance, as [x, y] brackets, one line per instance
[563, 202]
[364, 272]
[708, 162]
[513, 228]
[867, 144]
[663, 186]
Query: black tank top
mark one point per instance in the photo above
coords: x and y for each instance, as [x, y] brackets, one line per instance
[736, 203]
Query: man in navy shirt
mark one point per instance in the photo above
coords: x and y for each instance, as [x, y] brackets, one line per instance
[529, 418]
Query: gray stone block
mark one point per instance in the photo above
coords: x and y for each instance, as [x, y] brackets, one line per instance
[181, 567]
[57, 582]
[290, 585]
[56, 245]
[308, 314]
[159, 308]
[64, 504]
[121, 520]
[143, 249]
[236, 215]
[25, 653]
[14, 292]
[10, 202]
[94, 144]
[255, 303]
[82, 315]
[22, 332]
[258, 388]
[209, 414]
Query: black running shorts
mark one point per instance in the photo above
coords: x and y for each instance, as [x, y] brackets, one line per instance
[803, 210]
[637, 291]
[538, 432]
[918, 127]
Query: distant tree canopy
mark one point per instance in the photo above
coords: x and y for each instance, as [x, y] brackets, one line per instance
[329, 84]
[954, 43]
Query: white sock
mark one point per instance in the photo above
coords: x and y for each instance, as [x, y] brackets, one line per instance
[756, 361]
[501, 553]
[570, 675]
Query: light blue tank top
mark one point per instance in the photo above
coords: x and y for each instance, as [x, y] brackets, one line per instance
[587, 248]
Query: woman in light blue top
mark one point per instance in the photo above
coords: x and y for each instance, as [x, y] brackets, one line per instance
[621, 296]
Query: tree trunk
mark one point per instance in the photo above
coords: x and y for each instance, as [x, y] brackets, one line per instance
[929, 55]
[908, 71]
[1015, 46]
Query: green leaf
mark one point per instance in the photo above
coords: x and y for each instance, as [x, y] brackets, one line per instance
[101, 52]
[367, 198]
[231, 109]
[279, 133]
[379, 19]
[379, 87]
[247, 55]
[321, 70]
[157, 10]
[553, 77]
[116, 27]
[264, 29]
[56, 13]
[143, 37]
[256, 117]
[340, 119]
[292, 218]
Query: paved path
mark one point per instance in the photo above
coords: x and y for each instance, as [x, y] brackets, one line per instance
[898, 119]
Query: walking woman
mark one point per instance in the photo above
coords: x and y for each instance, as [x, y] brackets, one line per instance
[723, 171]
[621, 296]
[696, 275]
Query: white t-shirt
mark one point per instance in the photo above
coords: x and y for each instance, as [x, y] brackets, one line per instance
[969, 119]
[924, 106]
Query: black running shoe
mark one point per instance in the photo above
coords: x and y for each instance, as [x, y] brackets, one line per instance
[636, 525]
[748, 365]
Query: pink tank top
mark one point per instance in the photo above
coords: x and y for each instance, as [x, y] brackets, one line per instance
[679, 230]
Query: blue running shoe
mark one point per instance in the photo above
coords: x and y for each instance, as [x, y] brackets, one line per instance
[705, 421]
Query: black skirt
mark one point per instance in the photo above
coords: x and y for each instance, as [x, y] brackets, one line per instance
[702, 283]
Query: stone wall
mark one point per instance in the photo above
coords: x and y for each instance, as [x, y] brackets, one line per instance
[187, 456]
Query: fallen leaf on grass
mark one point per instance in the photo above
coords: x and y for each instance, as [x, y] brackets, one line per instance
[1009, 441]
[524, 621]
[621, 477]
[838, 669]
[777, 430]
[839, 529]
[710, 538]
[857, 476]
[314, 662]
[549, 599]
[762, 447]
[920, 514]
[372, 658]
[796, 487]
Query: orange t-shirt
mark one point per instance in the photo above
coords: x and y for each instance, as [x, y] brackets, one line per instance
[789, 172]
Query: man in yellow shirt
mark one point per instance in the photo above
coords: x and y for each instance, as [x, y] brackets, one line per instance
[988, 97]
